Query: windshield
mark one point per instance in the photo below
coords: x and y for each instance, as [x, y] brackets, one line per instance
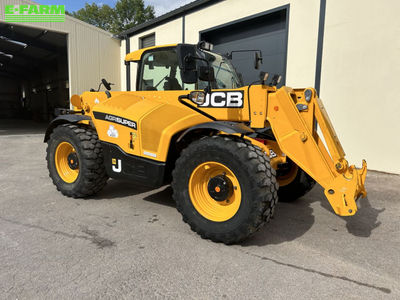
[225, 74]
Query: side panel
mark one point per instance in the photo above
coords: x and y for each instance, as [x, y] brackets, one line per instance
[159, 126]
[143, 123]
[117, 121]
[120, 165]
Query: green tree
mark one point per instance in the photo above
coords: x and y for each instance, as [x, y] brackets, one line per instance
[130, 13]
[100, 16]
[125, 14]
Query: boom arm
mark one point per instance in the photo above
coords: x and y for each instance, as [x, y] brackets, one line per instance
[293, 121]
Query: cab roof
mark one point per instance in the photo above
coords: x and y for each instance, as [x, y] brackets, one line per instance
[137, 55]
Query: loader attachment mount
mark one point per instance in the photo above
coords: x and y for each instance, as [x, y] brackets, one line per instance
[294, 121]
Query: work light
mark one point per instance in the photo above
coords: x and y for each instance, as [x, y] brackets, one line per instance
[308, 95]
[198, 97]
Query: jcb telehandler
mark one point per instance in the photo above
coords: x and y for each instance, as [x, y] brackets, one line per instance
[230, 150]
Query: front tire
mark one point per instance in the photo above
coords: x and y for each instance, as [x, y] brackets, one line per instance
[75, 161]
[225, 188]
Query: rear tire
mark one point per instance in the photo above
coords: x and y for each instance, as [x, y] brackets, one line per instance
[298, 187]
[246, 209]
[75, 161]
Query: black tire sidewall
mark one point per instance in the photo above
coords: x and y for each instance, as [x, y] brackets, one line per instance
[231, 159]
[297, 188]
[63, 134]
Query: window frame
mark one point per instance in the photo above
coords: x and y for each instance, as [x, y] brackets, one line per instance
[140, 63]
[146, 36]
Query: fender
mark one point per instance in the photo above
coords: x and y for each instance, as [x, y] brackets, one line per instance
[225, 126]
[63, 119]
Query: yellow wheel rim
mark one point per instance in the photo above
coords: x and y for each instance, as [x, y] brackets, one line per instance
[209, 208]
[289, 176]
[63, 165]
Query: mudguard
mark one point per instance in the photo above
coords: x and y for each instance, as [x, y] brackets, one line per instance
[63, 119]
[224, 126]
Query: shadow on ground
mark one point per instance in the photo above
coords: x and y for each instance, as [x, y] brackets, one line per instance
[365, 220]
[118, 189]
[291, 221]
[163, 197]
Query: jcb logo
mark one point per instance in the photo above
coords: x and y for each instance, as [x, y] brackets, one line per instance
[116, 165]
[224, 99]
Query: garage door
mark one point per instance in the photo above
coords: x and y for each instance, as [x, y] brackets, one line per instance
[267, 33]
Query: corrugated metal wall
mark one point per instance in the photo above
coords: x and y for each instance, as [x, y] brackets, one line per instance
[92, 53]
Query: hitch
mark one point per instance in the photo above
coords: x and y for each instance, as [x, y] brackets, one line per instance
[345, 190]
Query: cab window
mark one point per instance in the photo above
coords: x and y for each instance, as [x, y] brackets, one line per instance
[160, 72]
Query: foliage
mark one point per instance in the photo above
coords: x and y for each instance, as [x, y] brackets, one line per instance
[125, 14]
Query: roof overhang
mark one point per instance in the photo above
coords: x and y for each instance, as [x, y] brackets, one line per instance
[136, 56]
[174, 14]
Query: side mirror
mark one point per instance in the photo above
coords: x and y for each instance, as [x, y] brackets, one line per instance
[106, 84]
[263, 77]
[206, 73]
[187, 63]
[257, 60]
[276, 79]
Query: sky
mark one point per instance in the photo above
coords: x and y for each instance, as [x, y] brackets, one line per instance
[160, 6]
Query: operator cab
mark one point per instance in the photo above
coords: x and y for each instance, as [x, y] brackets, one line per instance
[159, 70]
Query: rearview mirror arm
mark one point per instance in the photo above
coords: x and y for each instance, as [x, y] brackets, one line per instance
[98, 89]
[188, 57]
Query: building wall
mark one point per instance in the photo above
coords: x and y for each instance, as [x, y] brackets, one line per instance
[169, 33]
[92, 53]
[360, 79]
[303, 32]
[360, 65]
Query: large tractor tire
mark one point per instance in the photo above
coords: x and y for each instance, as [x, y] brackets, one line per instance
[75, 161]
[225, 188]
[293, 183]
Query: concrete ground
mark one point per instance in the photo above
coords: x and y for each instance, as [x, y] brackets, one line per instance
[130, 242]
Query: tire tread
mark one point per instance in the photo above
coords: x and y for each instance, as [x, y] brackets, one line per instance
[94, 176]
[264, 190]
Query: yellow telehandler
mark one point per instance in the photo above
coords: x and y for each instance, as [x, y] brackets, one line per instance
[228, 150]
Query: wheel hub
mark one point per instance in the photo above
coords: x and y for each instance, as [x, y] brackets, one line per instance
[73, 162]
[220, 188]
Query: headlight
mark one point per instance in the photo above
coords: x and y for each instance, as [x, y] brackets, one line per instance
[198, 97]
[308, 95]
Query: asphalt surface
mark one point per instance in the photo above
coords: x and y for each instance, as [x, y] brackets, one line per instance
[130, 242]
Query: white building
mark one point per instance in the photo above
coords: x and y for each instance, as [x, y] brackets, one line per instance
[348, 50]
[50, 62]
